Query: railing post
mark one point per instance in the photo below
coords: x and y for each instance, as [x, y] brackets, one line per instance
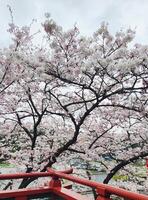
[55, 182]
[102, 194]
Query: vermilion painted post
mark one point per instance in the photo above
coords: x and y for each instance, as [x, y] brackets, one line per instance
[55, 182]
[103, 195]
[147, 164]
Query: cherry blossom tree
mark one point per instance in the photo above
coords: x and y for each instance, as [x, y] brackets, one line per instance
[73, 97]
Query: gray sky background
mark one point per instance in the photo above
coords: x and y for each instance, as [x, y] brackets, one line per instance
[88, 14]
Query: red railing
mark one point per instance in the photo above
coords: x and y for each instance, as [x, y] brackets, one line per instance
[104, 191]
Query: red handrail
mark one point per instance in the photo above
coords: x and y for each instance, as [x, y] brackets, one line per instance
[103, 190]
[32, 174]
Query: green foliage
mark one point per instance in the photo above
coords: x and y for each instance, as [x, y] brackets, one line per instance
[6, 165]
[120, 177]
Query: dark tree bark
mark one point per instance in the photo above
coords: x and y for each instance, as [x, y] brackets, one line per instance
[121, 165]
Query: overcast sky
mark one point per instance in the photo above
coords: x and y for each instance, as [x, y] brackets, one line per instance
[88, 14]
